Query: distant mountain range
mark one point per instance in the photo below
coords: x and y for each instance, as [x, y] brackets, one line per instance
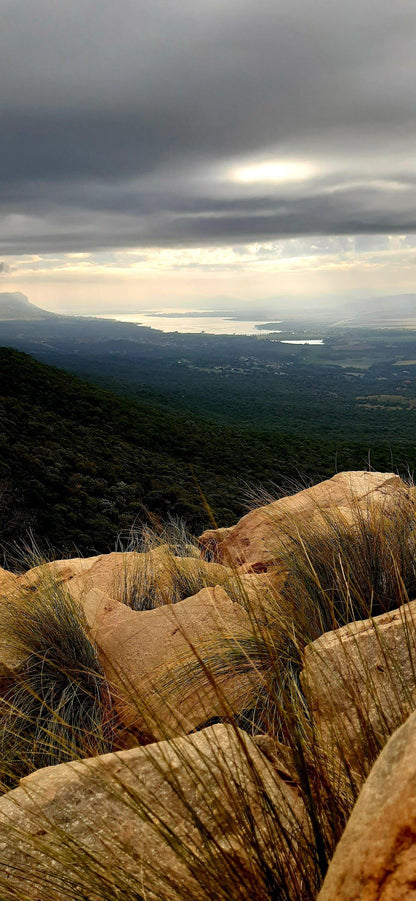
[16, 306]
[385, 309]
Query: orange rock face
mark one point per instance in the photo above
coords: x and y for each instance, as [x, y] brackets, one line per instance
[363, 673]
[263, 535]
[376, 857]
[89, 829]
[8, 582]
[120, 574]
[210, 543]
[158, 661]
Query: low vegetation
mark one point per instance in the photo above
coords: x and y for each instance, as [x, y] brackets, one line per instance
[165, 567]
[349, 569]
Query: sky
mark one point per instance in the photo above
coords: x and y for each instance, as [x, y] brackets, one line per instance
[176, 154]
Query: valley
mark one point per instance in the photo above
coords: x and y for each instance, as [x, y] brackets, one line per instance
[137, 425]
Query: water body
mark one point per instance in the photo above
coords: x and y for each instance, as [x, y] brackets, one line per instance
[211, 325]
[200, 322]
[306, 341]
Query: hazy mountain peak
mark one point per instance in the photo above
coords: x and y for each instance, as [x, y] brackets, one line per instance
[14, 305]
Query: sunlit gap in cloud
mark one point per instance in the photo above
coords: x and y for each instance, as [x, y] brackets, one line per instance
[273, 172]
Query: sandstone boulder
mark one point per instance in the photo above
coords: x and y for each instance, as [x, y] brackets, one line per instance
[259, 594]
[211, 542]
[143, 580]
[262, 536]
[189, 818]
[121, 575]
[58, 571]
[360, 682]
[376, 857]
[161, 663]
[8, 582]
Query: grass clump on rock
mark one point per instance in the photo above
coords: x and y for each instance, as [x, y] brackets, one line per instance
[165, 567]
[345, 569]
[56, 706]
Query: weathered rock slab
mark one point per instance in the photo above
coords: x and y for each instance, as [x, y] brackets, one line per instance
[8, 582]
[57, 571]
[150, 578]
[102, 827]
[211, 542]
[376, 857]
[263, 535]
[360, 682]
[158, 662]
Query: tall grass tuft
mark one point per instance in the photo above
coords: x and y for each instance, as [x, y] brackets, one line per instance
[56, 705]
[346, 569]
[165, 567]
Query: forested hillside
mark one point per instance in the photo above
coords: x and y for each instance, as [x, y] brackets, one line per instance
[79, 464]
[359, 384]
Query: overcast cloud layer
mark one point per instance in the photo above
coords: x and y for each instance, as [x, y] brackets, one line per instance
[145, 124]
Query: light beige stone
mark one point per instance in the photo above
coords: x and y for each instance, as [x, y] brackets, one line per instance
[152, 660]
[117, 573]
[58, 571]
[376, 857]
[126, 576]
[211, 542]
[360, 682]
[263, 535]
[101, 828]
[8, 583]
[260, 594]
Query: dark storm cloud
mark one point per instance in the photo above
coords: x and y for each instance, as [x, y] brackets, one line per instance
[117, 118]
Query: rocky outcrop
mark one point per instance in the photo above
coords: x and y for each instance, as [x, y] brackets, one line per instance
[161, 663]
[142, 580]
[376, 857]
[57, 571]
[360, 682]
[168, 819]
[264, 535]
[259, 594]
[183, 808]
[211, 542]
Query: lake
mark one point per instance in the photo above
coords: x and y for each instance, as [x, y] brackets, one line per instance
[306, 341]
[197, 322]
[211, 325]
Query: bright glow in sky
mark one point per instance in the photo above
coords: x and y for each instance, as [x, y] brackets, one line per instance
[274, 171]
